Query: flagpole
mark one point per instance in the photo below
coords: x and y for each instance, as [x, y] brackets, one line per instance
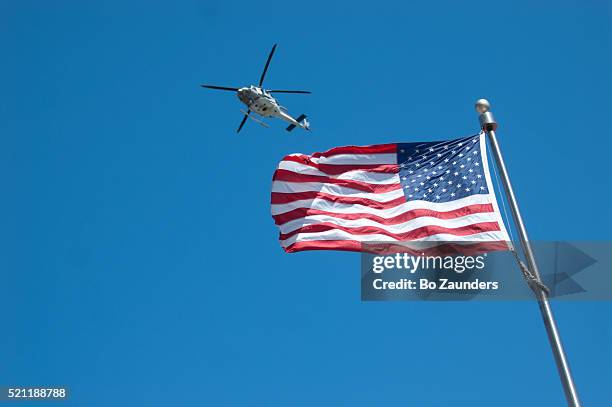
[489, 125]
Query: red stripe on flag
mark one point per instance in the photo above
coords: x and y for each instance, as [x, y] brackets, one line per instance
[417, 233]
[384, 248]
[290, 176]
[283, 198]
[333, 169]
[376, 149]
[401, 218]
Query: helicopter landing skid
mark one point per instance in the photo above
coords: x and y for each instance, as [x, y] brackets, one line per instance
[248, 114]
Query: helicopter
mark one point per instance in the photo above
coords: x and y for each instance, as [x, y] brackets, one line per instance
[260, 101]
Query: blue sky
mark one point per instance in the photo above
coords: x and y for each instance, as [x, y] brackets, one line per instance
[140, 263]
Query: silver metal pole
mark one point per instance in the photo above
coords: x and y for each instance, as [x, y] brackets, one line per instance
[489, 125]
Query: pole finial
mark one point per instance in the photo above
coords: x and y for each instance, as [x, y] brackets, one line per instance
[487, 121]
[482, 106]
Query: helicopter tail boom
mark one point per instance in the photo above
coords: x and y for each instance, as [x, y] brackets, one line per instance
[301, 121]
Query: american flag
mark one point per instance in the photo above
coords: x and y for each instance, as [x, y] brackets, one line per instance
[417, 192]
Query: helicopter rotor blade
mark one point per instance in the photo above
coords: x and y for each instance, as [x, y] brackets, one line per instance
[263, 74]
[219, 87]
[289, 91]
[244, 119]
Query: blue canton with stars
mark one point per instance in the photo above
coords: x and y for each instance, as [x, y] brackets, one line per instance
[441, 171]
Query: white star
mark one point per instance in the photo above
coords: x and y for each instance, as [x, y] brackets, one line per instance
[439, 155]
[452, 194]
[448, 171]
[431, 162]
[437, 196]
[456, 173]
[435, 184]
[413, 180]
[410, 196]
[401, 151]
[443, 189]
[470, 170]
[467, 190]
[469, 159]
[461, 155]
[446, 160]
[462, 166]
[473, 182]
[475, 152]
[460, 144]
[449, 182]
[422, 183]
[441, 178]
[458, 185]
[410, 171]
[476, 164]
[431, 149]
[416, 189]
[404, 178]
[454, 162]
[479, 176]
[428, 177]
[452, 151]
[482, 188]
[418, 165]
[464, 177]
[446, 147]
[475, 140]
[429, 190]
[419, 175]
[433, 172]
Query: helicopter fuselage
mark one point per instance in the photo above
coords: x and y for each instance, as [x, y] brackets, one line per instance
[259, 101]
